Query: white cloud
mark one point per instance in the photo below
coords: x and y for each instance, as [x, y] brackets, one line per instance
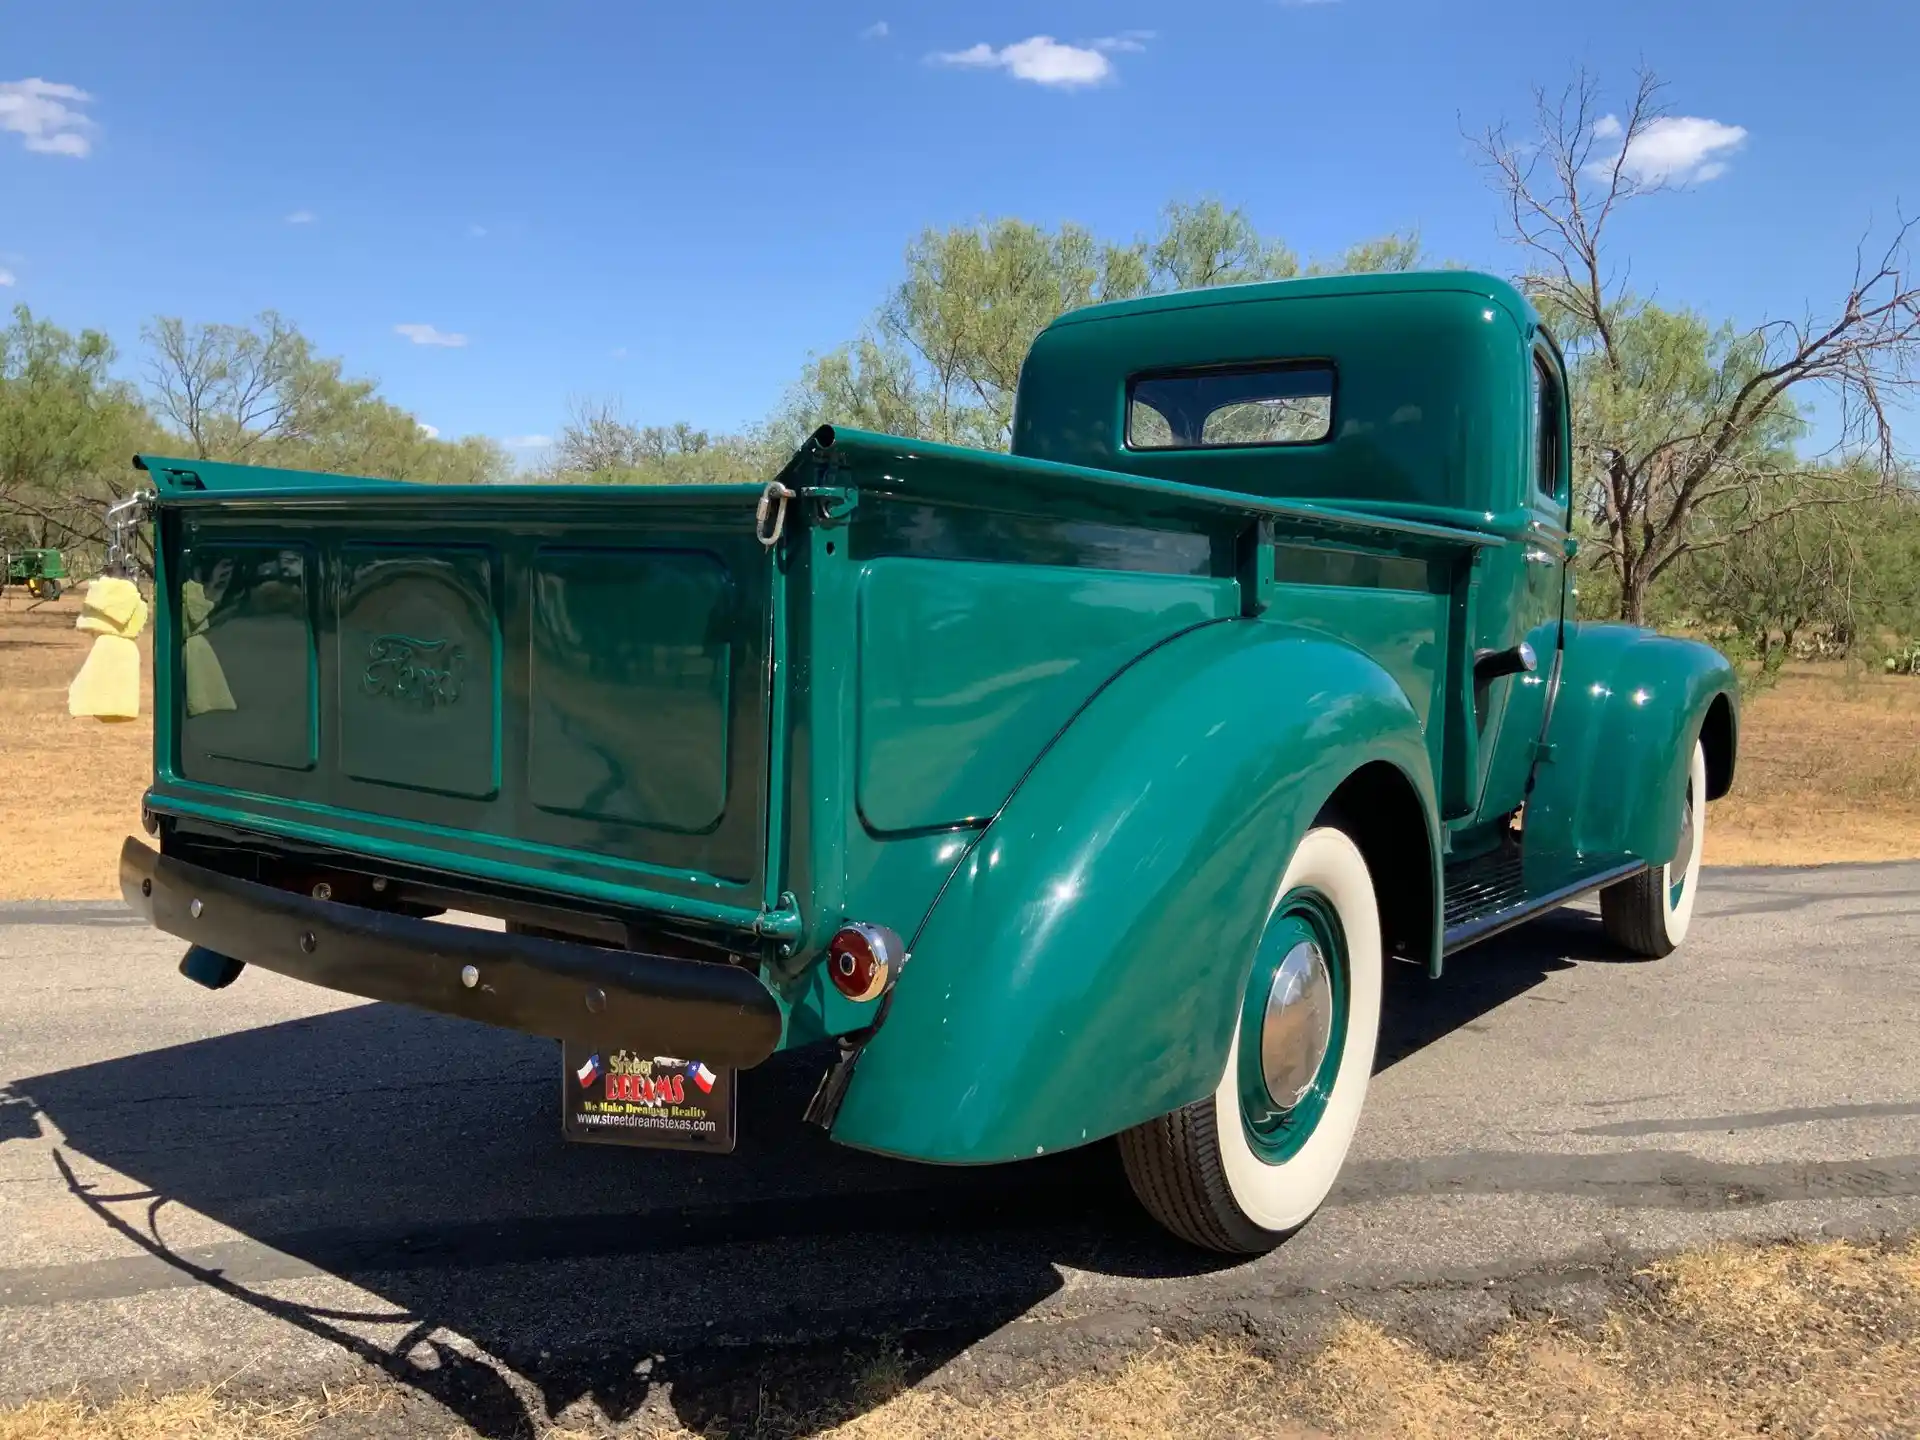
[1041, 59]
[879, 30]
[1131, 41]
[302, 217]
[1304, 4]
[1672, 150]
[432, 432]
[429, 335]
[42, 114]
[6, 278]
[527, 442]
[477, 232]
[982, 55]
[619, 352]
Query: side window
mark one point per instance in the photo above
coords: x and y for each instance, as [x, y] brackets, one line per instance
[1546, 428]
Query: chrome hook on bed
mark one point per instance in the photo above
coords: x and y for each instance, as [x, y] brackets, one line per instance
[121, 518]
[772, 499]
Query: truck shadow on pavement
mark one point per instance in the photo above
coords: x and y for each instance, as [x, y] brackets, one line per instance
[419, 1158]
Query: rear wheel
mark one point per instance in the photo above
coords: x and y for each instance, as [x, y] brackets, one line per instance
[1242, 1169]
[1650, 913]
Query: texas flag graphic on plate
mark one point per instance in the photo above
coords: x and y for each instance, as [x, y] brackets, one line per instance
[703, 1077]
[589, 1072]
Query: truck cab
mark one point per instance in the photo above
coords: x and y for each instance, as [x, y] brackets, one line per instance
[1429, 398]
[1066, 794]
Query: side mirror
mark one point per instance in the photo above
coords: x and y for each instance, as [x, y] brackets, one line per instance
[1572, 547]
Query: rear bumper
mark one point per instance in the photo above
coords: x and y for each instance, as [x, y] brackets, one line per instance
[595, 996]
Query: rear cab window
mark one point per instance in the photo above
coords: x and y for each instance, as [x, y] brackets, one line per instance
[1277, 403]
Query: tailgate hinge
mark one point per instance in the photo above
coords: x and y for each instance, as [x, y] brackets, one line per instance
[832, 504]
[782, 922]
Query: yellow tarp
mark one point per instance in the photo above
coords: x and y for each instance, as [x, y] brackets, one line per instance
[108, 685]
[206, 681]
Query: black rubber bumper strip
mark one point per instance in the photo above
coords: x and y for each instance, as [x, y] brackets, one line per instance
[717, 1013]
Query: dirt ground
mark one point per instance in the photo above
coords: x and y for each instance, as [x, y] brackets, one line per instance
[69, 789]
[1796, 1339]
[1829, 767]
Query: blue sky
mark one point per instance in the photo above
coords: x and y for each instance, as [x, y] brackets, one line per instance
[492, 207]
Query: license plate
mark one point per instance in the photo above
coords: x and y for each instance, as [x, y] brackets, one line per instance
[612, 1096]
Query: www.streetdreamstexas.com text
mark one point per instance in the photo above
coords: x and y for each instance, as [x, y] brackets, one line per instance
[688, 1122]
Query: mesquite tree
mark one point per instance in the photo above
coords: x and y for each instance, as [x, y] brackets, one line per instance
[1685, 431]
[941, 359]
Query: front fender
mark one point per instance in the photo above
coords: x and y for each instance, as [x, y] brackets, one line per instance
[1630, 706]
[1081, 971]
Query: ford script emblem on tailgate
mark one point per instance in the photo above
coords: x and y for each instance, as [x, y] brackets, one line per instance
[414, 672]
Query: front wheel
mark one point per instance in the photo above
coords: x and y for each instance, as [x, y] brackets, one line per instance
[1245, 1167]
[1649, 914]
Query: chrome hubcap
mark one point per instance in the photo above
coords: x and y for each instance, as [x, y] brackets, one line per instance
[1298, 1024]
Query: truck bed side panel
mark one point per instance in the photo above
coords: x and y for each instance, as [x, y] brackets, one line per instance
[968, 670]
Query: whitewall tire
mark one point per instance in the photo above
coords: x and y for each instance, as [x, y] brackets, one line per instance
[1244, 1167]
[1650, 913]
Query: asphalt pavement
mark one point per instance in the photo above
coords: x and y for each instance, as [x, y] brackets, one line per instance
[281, 1184]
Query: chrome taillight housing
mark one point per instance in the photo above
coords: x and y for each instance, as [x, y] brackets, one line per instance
[864, 960]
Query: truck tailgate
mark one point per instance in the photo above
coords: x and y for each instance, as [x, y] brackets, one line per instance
[566, 687]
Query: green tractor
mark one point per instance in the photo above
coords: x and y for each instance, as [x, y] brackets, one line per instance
[42, 570]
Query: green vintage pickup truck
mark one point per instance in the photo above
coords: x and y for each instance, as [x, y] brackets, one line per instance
[1079, 792]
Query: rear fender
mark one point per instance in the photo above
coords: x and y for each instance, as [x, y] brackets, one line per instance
[1081, 971]
[1631, 705]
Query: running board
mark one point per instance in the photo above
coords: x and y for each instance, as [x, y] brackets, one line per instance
[1490, 894]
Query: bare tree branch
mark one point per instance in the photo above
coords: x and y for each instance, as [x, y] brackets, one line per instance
[1672, 416]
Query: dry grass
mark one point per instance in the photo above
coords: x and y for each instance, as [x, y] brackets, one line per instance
[1198, 1391]
[1829, 768]
[1813, 1340]
[1803, 1340]
[204, 1414]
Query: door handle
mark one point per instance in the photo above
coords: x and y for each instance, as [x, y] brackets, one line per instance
[1491, 665]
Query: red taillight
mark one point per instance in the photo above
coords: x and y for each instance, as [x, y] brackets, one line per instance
[863, 960]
